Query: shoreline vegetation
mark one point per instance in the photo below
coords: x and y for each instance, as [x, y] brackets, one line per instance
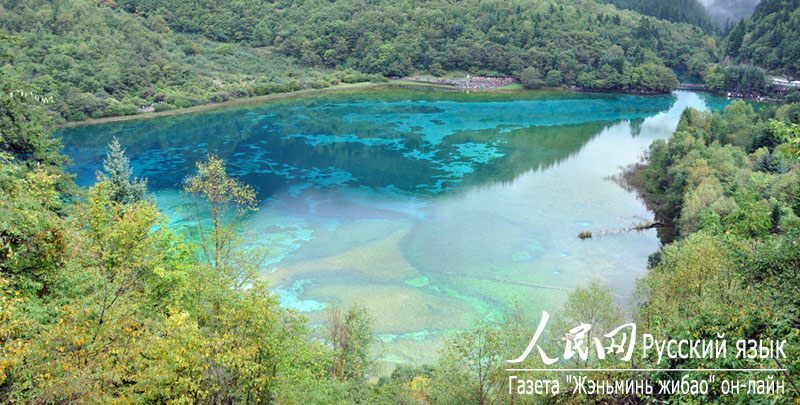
[165, 55]
[212, 105]
[467, 84]
[244, 101]
[112, 58]
[476, 84]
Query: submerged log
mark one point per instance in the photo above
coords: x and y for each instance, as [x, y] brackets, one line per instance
[649, 225]
[615, 231]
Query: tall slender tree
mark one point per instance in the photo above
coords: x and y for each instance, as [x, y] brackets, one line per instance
[124, 189]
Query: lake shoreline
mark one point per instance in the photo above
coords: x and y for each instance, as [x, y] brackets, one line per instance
[404, 82]
[244, 101]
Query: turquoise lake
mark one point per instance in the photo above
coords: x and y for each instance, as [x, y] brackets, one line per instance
[432, 208]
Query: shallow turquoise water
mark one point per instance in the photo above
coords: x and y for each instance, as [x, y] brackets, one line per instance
[434, 209]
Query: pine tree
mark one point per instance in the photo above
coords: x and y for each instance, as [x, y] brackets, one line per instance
[125, 189]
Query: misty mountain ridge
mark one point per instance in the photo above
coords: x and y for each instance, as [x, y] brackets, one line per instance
[725, 12]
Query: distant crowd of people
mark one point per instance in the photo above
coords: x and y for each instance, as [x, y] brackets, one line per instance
[469, 82]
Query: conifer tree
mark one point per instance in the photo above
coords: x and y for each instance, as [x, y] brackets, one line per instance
[125, 189]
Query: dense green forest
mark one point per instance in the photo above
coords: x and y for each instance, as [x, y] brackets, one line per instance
[683, 11]
[755, 48]
[99, 59]
[725, 13]
[94, 61]
[769, 38]
[739, 78]
[730, 185]
[394, 38]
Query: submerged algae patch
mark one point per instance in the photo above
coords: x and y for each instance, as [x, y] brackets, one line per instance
[290, 298]
[418, 282]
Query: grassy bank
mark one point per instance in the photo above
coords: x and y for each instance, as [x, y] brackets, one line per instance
[224, 104]
[269, 97]
[393, 83]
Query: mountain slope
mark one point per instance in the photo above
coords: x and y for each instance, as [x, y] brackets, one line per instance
[399, 37]
[728, 12]
[99, 58]
[95, 61]
[681, 11]
[770, 38]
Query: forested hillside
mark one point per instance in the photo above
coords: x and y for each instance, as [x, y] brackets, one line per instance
[95, 61]
[730, 185]
[682, 11]
[104, 58]
[396, 38]
[770, 38]
[727, 12]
